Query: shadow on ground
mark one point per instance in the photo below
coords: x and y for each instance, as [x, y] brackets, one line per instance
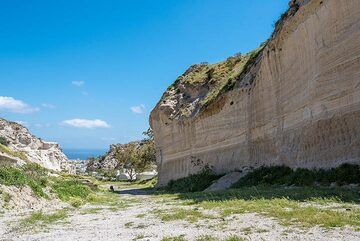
[351, 195]
[135, 191]
[340, 194]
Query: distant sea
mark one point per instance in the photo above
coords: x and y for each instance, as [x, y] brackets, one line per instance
[83, 154]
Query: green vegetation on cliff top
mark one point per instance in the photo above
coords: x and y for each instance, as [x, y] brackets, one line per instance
[213, 79]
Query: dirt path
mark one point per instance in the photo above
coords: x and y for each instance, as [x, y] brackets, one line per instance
[139, 220]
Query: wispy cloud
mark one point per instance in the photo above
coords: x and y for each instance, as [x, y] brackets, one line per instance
[16, 106]
[49, 106]
[85, 123]
[78, 83]
[139, 109]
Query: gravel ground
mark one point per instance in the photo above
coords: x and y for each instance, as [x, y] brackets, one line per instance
[138, 222]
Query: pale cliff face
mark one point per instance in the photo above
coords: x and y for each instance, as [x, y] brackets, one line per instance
[298, 104]
[46, 154]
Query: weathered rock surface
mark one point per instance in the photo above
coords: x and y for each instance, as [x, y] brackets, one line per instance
[29, 148]
[296, 102]
[106, 162]
[225, 181]
[109, 161]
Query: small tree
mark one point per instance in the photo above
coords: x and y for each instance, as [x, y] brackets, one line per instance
[136, 157]
[128, 159]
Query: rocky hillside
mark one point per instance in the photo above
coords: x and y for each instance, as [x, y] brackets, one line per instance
[108, 161]
[293, 101]
[20, 146]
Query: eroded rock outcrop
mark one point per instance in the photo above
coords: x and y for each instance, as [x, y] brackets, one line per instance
[294, 101]
[22, 146]
[107, 161]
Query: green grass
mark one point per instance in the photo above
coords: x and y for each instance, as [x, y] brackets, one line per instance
[141, 215]
[76, 193]
[67, 189]
[206, 238]
[29, 174]
[145, 184]
[211, 238]
[91, 211]
[12, 176]
[190, 215]
[139, 236]
[234, 238]
[129, 224]
[42, 220]
[6, 197]
[177, 238]
[306, 207]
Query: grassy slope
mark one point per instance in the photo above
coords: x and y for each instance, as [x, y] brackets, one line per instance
[75, 190]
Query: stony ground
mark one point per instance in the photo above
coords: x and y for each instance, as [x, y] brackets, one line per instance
[139, 216]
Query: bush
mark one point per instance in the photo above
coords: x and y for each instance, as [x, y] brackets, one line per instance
[6, 197]
[30, 174]
[67, 189]
[34, 170]
[37, 189]
[265, 175]
[193, 183]
[12, 176]
[35, 176]
[3, 141]
[347, 173]
[76, 202]
[282, 175]
[301, 177]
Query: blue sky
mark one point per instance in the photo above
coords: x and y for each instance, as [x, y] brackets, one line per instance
[87, 73]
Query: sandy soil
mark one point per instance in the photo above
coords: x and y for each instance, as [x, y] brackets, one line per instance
[138, 222]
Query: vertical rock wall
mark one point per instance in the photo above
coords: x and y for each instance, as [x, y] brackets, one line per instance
[302, 108]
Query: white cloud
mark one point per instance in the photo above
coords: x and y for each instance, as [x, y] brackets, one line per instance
[139, 109]
[78, 83]
[16, 106]
[85, 123]
[49, 106]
